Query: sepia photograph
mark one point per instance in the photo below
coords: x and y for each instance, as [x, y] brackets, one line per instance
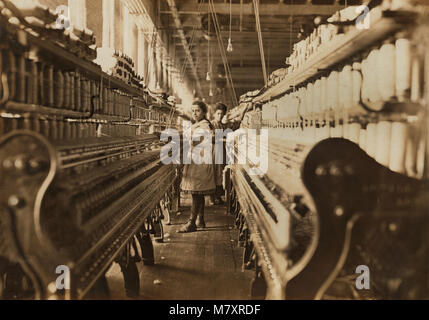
[214, 150]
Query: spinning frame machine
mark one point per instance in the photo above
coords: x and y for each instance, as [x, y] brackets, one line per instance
[347, 182]
[82, 184]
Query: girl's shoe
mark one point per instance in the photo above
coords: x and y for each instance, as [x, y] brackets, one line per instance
[187, 228]
[201, 223]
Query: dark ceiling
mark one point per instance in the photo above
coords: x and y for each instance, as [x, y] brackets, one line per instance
[283, 23]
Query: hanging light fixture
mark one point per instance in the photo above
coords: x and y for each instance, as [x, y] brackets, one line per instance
[208, 77]
[230, 48]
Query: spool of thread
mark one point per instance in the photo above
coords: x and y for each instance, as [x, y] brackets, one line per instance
[337, 131]
[121, 107]
[116, 104]
[72, 91]
[293, 109]
[282, 112]
[28, 82]
[317, 97]
[333, 87]
[415, 80]
[77, 92]
[372, 63]
[114, 109]
[67, 90]
[61, 129]
[67, 130]
[13, 124]
[309, 99]
[11, 69]
[341, 89]
[93, 130]
[20, 123]
[99, 130]
[79, 129]
[21, 79]
[362, 139]
[49, 85]
[403, 69]
[111, 103]
[411, 151]
[123, 99]
[365, 80]
[59, 89]
[35, 124]
[26, 123]
[323, 94]
[347, 85]
[41, 83]
[108, 102]
[35, 79]
[44, 126]
[354, 132]
[398, 147]
[53, 132]
[97, 94]
[371, 139]
[346, 129]
[88, 96]
[385, 72]
[324, 132]
[421, 157]
[303, 101]
[2, 126]
[85, 130]
[104, 100]
[93, 94]
[73, 130]
[2, 69]
[84, 94]
[6, 125]
[89, 129]
[31, 82]
[312, 134]
[384, 138]
[357, 83]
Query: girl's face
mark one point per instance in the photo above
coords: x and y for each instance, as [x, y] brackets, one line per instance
[197, 113]
[218, 116]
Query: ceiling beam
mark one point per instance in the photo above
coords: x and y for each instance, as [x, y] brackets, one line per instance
[279, 9]
[268, 34]
[237, 56]
[240, 85]
[173, 8]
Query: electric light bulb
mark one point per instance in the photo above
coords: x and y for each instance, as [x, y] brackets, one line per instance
[230, 48]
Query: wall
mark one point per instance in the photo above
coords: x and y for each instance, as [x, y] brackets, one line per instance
[53, 4]
[94, 19]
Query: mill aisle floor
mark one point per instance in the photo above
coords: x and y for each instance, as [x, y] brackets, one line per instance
[204, 265]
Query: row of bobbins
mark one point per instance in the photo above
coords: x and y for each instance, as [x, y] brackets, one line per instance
[389, 73]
